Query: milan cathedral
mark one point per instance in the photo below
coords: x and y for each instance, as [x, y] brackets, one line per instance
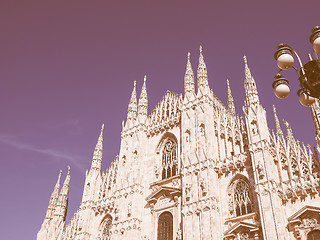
[194, 169]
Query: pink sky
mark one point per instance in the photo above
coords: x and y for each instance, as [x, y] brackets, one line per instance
[66, 67]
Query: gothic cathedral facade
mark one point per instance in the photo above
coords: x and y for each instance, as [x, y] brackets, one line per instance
[193, 169]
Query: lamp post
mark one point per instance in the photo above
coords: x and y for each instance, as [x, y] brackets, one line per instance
[308, 74]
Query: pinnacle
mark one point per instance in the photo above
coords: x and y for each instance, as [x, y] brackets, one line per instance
[279, 130]
[189, 78]
[252, 96]
[247, 70]
[143, 99]
[189, 68]
[132, 107]
[97, 154]
[202, 75]
[230, 98]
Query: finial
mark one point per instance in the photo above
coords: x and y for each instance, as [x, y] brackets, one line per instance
[102, 127]
[68, 170]
[286, 123]
[230, 99]
[279, 131]
[245, 59]
[188, 56]
[145, 78]
[134, 83]
[200, 49]
[58, 182]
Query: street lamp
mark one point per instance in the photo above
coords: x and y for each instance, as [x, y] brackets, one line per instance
[308, 75]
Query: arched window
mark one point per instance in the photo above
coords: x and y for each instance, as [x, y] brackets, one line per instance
[105, 228]
[314, 235]
[165, 226]
[240, 200]
[169, 159]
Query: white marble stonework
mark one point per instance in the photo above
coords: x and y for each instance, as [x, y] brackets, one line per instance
[194, 169]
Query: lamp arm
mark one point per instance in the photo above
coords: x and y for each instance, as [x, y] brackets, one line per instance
[299, 59]
[295, 53]
[297, 71]
[315, 54]
[301, 67]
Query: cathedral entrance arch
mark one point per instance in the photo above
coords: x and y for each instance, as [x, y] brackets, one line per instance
[165, 226]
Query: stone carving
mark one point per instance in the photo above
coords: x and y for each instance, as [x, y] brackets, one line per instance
[203, 187]
[145, 237]
[187, 191]
[179, 234]
[193, 139]
[129, 209]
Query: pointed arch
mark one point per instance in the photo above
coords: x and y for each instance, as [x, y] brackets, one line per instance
[168, 149]
[240, 197]
[169, 158]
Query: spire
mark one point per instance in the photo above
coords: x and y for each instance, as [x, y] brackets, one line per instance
[62, 203]
[202, 75]
[97, 154]
[279, 130]
[143, 103]
[132, 108]
[252, 96]
[290, 138]
[189, 80]
[53, 199]
[230, 99]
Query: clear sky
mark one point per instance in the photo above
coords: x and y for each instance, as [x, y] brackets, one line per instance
[66, 67]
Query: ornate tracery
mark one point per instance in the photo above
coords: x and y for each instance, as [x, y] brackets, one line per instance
[105, 228]
[240, 198]
[169, 159]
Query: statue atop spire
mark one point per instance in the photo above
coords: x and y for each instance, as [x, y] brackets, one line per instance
[189, 81]
[97, 154]
[132, 108]
[202, 75]
[290, 138]
[252, 96]
[143, 103]
[230, 100]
